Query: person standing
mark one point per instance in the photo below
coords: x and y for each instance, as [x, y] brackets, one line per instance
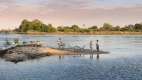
[97, 45]
[91, 46]
[16, 41]
[38, 44]
[59, 41]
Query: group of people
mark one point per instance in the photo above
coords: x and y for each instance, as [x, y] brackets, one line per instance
[61, 45]
[35, 43]
[17, 42]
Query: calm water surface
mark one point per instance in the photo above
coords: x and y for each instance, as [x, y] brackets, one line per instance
[123, 63]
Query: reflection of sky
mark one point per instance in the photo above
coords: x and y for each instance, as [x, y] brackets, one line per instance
[123, 62]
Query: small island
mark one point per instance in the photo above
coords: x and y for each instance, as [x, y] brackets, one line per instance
[26, 52]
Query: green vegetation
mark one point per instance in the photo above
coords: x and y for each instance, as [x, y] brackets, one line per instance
[35, 26]
[38, 26]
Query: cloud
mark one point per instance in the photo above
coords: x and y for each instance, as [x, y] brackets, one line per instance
[69, 11]
[70, 4]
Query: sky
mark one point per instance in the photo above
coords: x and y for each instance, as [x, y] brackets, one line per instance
[69, 12]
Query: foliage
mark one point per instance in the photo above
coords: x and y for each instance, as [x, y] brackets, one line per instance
[138, 27]
[93, 28]
[106, 27]
[38, 26]
[75, 28]
[35, 25]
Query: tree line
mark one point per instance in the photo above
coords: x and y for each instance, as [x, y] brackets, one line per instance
[38, 26]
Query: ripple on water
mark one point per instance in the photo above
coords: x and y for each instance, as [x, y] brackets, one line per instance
[123, 62]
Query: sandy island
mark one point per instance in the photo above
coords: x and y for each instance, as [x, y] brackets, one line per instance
[22, 53]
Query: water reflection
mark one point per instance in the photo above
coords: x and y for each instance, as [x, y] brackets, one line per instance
[91, 56]
[98, 56]
[61, 57]
[124, 62]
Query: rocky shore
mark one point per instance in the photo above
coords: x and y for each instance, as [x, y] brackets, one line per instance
[22, 53]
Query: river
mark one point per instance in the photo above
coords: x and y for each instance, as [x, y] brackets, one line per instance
[124, 62]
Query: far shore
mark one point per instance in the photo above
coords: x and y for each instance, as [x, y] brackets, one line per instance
[79, 33]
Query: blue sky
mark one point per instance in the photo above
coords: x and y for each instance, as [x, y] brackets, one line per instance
[119, 2]
[112, 3]
[67, 12]
[94, 2]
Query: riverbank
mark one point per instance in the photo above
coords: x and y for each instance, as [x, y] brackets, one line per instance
[85, 33]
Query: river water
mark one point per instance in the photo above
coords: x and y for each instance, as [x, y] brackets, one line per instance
[124, 62]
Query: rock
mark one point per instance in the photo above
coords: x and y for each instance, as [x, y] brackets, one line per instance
[22, 53]
[15, 57]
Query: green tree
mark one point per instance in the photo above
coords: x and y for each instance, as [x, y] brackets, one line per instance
[25, 26]
[138, 27]
[50, 28]
[67, 29]
[116, 28]
[75, 28]
[44, 28]
[93, 28]
[60, 28]
[37, 25]
[128, 28]
[84, 30]
[125, 28]
[131, 27]
[106, 27]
